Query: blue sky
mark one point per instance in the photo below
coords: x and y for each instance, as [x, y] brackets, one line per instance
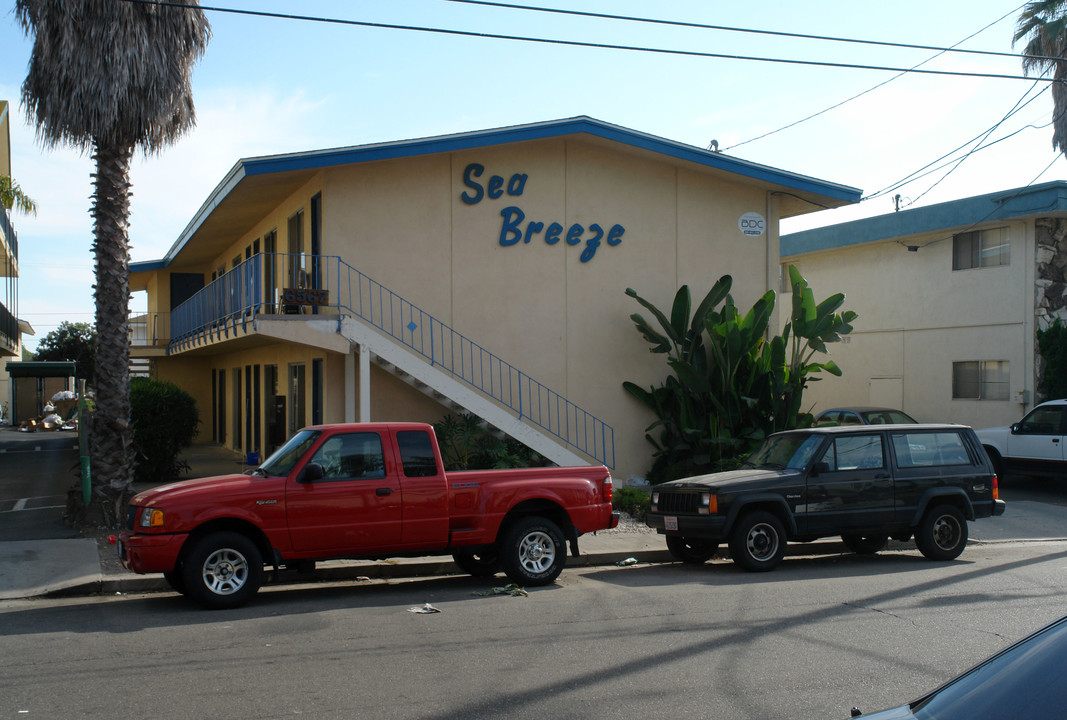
[269, 86]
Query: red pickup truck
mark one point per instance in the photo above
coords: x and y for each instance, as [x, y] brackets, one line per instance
[361, 491]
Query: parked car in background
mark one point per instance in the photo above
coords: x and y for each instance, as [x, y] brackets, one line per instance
[865, 483]
[862, 416]
[1025, 680]
[1032, 446]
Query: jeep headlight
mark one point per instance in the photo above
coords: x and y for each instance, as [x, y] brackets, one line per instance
[151, 518]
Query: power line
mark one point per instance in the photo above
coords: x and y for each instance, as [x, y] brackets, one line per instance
[753, 31]
[584, 44]
[872, 89]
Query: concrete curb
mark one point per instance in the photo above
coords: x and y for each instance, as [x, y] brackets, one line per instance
[335, 571]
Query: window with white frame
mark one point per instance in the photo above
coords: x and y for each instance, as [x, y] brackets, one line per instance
[981, 248]
[980, 380]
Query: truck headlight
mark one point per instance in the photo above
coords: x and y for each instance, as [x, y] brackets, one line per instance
[151, 518]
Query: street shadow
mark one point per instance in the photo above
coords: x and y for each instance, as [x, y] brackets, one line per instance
[134, 613]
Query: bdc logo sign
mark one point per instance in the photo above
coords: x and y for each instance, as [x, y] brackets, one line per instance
[752, 224]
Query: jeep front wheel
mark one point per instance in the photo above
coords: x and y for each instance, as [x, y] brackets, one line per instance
[223, 570]
[693, 551]
[757, 542]
[942, 534]
[532, 551]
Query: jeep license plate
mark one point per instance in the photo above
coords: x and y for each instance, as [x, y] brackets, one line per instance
[670, 522]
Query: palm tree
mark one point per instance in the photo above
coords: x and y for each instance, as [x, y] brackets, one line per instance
[1043, 23]
[12, 196]
[111, 77]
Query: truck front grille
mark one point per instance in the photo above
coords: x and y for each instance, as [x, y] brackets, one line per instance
[131, 517]
[679, 503]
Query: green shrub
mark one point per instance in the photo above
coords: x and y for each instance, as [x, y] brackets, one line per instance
[632, 501]
[164, 423]
[1052, 344]
[466, 444]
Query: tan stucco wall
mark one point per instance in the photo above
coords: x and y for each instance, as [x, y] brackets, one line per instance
[917, 316]
[565, 323]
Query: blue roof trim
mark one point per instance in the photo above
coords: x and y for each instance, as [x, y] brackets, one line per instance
[539, 131]
[147, 265]
[954, 215]
[248, 167]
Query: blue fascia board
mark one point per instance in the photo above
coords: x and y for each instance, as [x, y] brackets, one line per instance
[147, 265]
[955, 215]
[316, 159]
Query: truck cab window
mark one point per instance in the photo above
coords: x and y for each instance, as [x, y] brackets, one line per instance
[351, 456]
[416, 453]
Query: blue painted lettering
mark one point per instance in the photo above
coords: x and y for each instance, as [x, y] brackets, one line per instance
[469, 173]
[495, 183]
[552, 234]
[533, 227]
[592, 243]
[615, 235]
[574, 234]
[509, 231]
[517, 184]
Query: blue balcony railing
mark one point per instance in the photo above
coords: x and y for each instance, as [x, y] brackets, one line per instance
[8, 231]
[9, 330]
[255, 287]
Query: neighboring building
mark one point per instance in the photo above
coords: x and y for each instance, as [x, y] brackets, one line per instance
[949, 298]
[10, 327]
[482, 272]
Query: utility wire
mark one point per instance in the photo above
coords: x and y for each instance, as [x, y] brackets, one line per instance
[916, 174]
[582, 44]
[868, 90]
[773, 33]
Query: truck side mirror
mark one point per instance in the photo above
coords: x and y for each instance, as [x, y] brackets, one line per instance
[819, 468]
[311, 472]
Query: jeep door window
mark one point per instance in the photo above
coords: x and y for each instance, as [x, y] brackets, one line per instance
[789, 450]
[284, 458]
[854, 452]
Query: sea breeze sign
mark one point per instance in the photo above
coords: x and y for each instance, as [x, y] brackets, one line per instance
[515, 228]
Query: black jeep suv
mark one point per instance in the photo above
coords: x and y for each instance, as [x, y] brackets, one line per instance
[864, 483]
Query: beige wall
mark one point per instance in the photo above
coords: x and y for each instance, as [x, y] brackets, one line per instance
[565, 323]
[917, 316]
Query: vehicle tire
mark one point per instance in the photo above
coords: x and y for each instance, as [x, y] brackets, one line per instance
[532, 551]
[176, 580]
[942, 534]
[223, 570]
[995, 459]
[865, 544]
[757, 542]
[694, 551]
[477, 563]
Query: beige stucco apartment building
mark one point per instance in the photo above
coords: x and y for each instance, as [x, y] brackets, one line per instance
[482, 272]
[949, 297]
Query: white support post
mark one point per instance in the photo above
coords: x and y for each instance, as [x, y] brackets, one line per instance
[350, 387]
[364, 384]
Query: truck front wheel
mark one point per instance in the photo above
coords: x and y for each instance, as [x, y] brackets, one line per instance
[942, 534]
[532, 551]
[223, 570]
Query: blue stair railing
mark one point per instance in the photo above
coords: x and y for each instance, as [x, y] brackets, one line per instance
[256, 287]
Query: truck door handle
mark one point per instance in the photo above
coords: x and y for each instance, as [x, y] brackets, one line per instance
[383, 491]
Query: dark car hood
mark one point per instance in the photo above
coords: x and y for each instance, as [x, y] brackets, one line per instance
[749, 477]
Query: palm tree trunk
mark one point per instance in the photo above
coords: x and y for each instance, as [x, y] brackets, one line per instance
[111, 453]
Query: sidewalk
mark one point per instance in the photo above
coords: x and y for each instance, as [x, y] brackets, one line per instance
[41, 568]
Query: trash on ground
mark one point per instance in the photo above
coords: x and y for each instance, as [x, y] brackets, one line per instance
[512, 589]
[424, 610]
[627, 561]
